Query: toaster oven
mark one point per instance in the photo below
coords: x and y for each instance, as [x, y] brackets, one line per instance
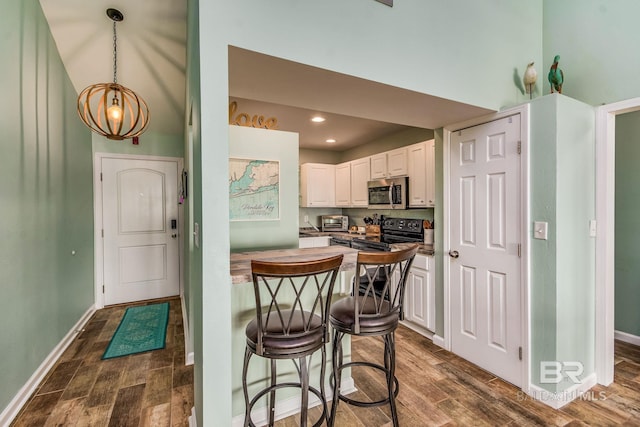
[335, 223]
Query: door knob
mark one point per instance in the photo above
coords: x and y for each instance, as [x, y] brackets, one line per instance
[173, 236]
[454, 254]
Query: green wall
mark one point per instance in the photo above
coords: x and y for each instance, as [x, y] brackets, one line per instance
[562, 298]
[217, 401]
[390, 142]
[597, 41]
[150, 144]
[46, 201]
[428, 46]
[262, 144]
[627, 259]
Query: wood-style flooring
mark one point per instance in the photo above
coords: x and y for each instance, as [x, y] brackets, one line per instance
[438, 388]
[147, 389]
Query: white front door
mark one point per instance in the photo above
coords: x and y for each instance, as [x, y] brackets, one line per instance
[484, 258]
[140, 225]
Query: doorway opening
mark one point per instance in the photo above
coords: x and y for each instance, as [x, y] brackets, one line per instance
[605, 237]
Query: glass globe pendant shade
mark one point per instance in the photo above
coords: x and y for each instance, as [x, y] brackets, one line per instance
[113, 111]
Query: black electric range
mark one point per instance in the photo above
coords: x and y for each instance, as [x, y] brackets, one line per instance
[393, 230]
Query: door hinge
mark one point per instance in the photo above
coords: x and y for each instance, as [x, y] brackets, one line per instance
[100, 176]
[519, 147]
[103, 289]
[102, 232]
[519, 250]
[519, 353]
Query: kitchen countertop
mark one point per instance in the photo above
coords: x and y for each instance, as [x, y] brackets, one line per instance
[241, 261]
[422, 248]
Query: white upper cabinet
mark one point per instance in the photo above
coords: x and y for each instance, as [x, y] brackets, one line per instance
[389, 164]
[360, 175]
[379, 166]
[317, 185]
[343, 184]
[421, 171]
[397, 162]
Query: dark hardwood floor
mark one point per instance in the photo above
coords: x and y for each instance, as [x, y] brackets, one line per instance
[147, 389]
[438, 388]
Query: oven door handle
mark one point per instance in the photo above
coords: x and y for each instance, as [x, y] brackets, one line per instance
[391, 193]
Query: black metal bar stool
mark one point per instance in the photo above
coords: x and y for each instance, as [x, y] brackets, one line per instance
[292, 307]
[373, 309]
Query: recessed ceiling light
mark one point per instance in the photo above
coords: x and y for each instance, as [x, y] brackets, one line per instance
[318, 119]
[331, 140]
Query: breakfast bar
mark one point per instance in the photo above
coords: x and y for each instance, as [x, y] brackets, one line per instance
[243, 310]
[241, 262]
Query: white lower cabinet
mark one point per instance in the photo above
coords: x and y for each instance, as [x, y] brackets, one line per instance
[420, 294]
[313, 242]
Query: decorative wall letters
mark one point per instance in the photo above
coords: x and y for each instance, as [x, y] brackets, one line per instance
[243, 119]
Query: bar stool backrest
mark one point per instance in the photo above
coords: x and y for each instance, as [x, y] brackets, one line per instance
[381, 284]
[292, 296]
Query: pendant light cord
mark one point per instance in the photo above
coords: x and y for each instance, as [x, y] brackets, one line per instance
[115, 53]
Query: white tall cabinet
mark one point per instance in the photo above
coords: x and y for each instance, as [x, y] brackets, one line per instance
[421, 171]
[343, 184]
[360, 175]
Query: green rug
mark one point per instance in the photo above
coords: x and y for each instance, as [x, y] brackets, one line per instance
[142, 328]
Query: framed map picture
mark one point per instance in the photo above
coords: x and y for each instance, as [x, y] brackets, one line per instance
[254, 190]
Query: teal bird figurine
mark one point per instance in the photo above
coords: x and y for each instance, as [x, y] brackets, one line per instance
[556, 76]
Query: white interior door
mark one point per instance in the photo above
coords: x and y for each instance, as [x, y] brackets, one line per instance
[140, 226]
[485, 263]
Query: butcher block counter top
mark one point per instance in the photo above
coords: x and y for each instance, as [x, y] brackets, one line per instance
[241, 262]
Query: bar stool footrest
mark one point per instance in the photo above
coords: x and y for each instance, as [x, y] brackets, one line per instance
[360, 403]
[269, 389]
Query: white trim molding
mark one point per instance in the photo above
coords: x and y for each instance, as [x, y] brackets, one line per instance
[438, 340]
[188, 345]
[628, 338]
[23, 395]
[605, 235]
[558, 399]
[291, 406]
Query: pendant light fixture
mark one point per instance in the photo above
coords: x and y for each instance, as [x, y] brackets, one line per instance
[110, 109]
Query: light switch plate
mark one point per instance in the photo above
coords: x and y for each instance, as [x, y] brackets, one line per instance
[196, 234]
[592, 228]
[540, 230]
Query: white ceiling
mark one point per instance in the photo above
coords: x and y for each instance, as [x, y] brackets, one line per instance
[151, 61]
[151, 50]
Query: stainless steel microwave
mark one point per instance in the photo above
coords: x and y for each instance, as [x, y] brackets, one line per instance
[389, 193]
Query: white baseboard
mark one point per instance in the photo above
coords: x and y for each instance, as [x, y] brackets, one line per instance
[291, 406]
[560, 398]
[23, 395]
[192, 418]
[439, 341]
[628, 338]
[416, 328]
[188, 345]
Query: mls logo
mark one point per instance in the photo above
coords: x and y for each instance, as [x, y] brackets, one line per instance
[552, 372]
